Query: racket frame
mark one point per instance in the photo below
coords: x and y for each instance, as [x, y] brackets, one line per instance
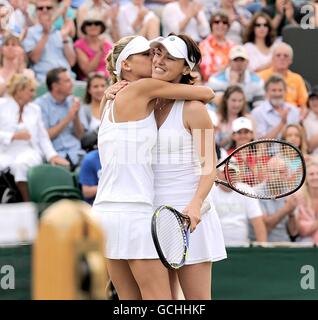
[226, 162]
[185, 234]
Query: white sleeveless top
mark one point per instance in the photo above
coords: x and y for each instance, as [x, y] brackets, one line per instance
[125, 151]
[176, 164]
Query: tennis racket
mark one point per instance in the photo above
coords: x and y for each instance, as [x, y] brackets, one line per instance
[170, 232]
[264, 169]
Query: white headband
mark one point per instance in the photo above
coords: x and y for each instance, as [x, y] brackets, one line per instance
[137, 45]
[175, 46]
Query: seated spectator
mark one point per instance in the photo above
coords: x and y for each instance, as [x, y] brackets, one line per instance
[236, 212]
[259, 38]
[92, 49]
[307, 199]
[89, 175]
[94, 8]
[249, 163]
[239, 18]
[185, 16]
[238, 73]
[242, 132]
[12, 61]
[46, 46]
[133, 18]
[215, 48]
[63, 116]
[295, 134]
[278, 214]
[282, 12]
[95, 88]
[96, 85]
[233, 106]
[311, 121]
[275, 113]
[296, 88]
[24, 142]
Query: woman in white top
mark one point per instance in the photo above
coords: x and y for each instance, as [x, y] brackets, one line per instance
[24, 141]
[124, 200]
[96, 85]
[184, 166]
[185, 16]
[259, 38]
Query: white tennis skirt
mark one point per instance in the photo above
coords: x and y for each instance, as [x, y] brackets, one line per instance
[128, 236]
[206, 243]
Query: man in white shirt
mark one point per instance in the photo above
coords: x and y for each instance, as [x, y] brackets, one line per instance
[235, 212]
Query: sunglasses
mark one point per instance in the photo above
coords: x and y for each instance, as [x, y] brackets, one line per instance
[221, 21]
[261, 25]
[93, 23]
[48, 8]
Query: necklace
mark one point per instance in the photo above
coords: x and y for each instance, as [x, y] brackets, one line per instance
[161, 107]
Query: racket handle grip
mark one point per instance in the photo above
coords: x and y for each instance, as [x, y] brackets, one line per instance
[206, 206]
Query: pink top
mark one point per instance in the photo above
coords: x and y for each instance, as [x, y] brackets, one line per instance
[307, 216]
[83, 45]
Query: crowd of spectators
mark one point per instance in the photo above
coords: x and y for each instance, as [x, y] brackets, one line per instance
[61, 45]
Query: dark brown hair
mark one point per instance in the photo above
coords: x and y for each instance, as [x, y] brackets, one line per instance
[53, 76]
[92, 76]
[223, 110]
[194, 55]
[250, 31]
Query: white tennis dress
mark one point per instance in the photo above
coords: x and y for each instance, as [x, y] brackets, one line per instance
[177, 172]
[124, 200]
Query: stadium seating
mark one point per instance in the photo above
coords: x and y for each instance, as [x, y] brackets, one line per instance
[48, 184]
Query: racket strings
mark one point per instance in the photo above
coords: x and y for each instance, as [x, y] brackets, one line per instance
[171, 237]
[266, 170]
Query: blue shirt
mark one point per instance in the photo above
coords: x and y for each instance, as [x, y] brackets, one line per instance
[267, 118]
[90, 171]
[52, 113]
[53, 53]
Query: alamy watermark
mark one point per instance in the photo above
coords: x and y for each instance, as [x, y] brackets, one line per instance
[307, 281]
[308, 20]
[7, 277]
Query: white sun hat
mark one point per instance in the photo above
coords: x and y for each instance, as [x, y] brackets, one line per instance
[135, 46]
[175, 46]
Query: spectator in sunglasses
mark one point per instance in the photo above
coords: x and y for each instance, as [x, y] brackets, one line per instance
[47, 47]
[259, 38]
[92, 48]
[239, 18]
[215, 48]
